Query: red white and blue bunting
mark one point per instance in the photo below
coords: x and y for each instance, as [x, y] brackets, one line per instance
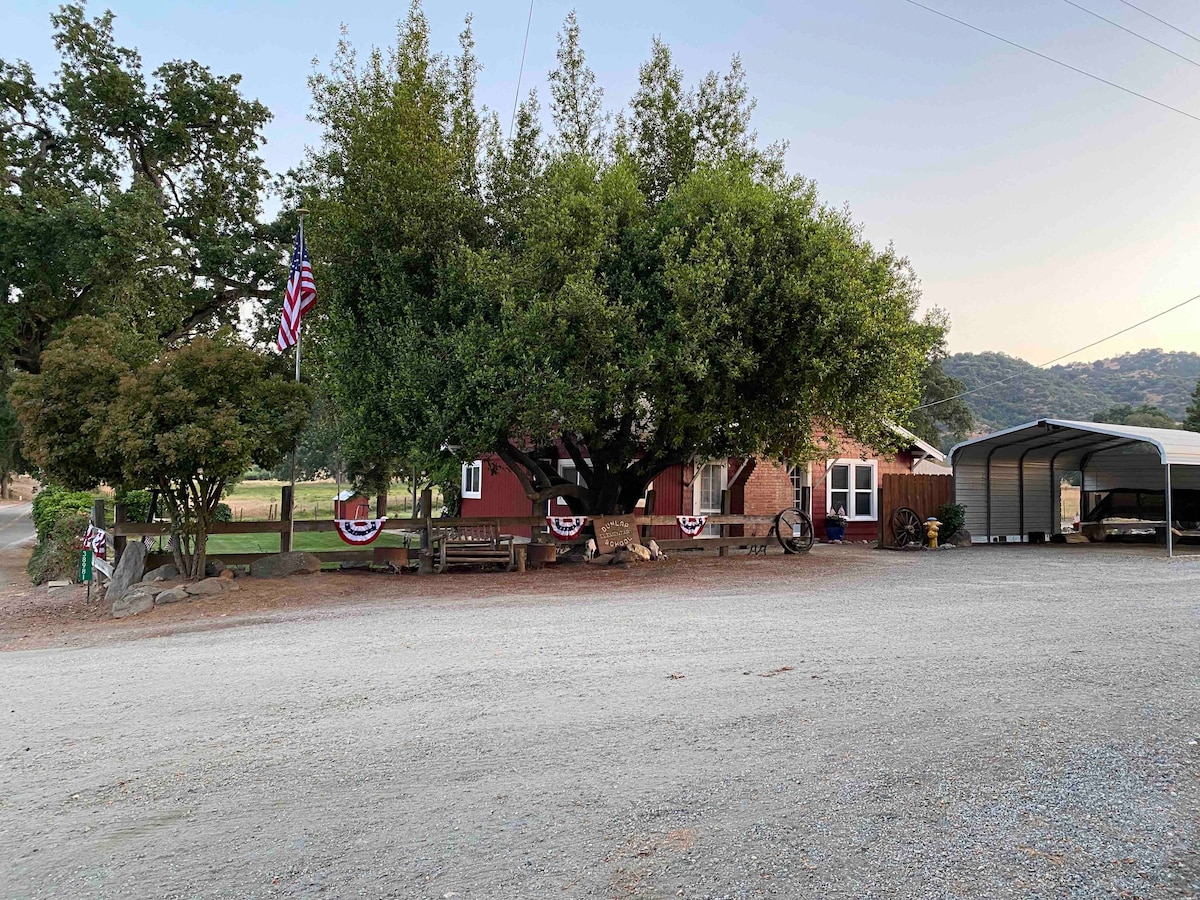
[96, 540]
[359, 531]
[566, 527]
[691, 525]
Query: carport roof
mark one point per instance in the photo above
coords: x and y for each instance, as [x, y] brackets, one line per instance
[1174, 447]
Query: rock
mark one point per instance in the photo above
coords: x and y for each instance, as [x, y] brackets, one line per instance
[129, 570]
[226, 574]
[54, 584]
[642, 553]
[279, 565]
[656, 551]
[132, 603]
[162, 573]
[213, 568]
[171, 595]
[209, 587]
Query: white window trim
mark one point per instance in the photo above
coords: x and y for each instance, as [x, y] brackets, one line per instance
[556, 504]
[472, 495]
[806, 468]
[869, 463]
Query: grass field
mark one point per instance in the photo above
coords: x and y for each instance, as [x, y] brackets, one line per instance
[314, 499]
[315, 541]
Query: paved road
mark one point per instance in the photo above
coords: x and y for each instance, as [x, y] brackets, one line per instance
[16, 528]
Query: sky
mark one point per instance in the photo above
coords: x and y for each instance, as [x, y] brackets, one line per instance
[1041, 209]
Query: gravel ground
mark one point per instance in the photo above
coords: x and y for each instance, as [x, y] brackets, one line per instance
[981, 723]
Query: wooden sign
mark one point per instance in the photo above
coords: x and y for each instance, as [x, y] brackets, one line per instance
[613, 532]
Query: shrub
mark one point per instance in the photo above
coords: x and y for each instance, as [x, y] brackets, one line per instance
[137, 505]
[222, 513]
[50, 501]
[953, 517]
[57, 556]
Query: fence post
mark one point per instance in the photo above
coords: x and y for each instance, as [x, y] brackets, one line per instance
[648, 511]
[723, 550]
[381, 500]
[285, 518]
[120, 515]
[425, 566]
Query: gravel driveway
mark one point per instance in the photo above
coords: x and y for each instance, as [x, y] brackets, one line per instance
[992, 722]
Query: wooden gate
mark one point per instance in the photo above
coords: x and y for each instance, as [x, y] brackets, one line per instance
[923, 493]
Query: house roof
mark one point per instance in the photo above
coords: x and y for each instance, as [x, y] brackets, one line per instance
[928, 449]
[346, 494]
[1174, 447]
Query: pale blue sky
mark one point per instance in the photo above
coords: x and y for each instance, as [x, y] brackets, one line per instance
[1041, 209]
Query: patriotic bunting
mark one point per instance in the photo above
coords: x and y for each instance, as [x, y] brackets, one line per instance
[691, 525]
[359, 531]
[566, 527]
[96, 540]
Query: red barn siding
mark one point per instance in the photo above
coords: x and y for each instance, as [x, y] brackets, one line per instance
[668, 501]
[500, 495]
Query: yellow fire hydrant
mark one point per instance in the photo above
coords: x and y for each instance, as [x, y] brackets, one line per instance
[931, 530]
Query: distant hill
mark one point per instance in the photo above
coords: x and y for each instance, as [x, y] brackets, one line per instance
[1074, 390]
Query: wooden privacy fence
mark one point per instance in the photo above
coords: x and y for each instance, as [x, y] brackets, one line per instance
[922, 493]
[419, 529]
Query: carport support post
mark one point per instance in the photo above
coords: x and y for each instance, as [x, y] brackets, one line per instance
[1170, 536]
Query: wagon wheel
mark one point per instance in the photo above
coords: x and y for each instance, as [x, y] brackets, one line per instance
[794, 531]
[906, 527]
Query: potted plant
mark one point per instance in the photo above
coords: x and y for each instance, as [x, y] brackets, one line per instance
[835, 526]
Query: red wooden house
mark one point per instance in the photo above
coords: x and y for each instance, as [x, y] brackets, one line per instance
[849, 482]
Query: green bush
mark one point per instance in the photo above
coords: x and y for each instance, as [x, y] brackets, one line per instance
[50, 501]
[953, 517]
[57, 556]
[137, 505]
[222, 513]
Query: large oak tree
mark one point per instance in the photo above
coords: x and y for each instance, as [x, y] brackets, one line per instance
[639, 289]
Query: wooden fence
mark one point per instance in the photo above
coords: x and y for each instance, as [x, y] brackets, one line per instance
[417, 530]
[922, 493]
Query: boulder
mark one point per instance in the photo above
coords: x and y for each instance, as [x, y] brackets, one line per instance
[128, 572]
[132, 603]
[213, 568]
[226, 574]
[209, 587]
[642, 553]
[162, 573]
[296, 562]
[172, 595]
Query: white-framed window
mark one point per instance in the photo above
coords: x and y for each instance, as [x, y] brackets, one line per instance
[557, 506]
[851, 487]
[801, 488]
[472, 480]
[711, 480]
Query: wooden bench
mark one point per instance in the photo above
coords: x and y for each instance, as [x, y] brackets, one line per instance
[473, 545]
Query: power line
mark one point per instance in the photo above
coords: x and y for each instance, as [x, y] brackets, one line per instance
[1162, 21]
[993, 384]
[1140, 37]
[520, 72]
[1057, 62]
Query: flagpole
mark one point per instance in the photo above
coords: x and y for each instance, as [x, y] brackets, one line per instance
[299, 335]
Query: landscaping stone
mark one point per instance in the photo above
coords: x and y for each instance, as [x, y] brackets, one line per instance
[58, 584]
[209, 587]
[226, 574]
[162, 573]
[132, 603]
[129, 570]
[171, 595]
[213, 568]
[279, 565]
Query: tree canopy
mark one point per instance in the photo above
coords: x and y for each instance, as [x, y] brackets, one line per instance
[1144, 416]
[127, 194]
[641, 290]
[106, 408]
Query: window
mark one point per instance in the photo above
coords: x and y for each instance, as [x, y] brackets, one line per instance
[801, 489]
[570, 473]
[710, 483]
[852, 489]
[472, 480]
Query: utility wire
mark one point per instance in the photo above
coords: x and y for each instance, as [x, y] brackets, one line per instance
[1057, 62]
[520, 72]
[1141, 37]
[1161, 21]
[984, 387]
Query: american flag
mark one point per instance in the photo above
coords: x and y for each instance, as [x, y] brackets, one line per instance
[301, 295]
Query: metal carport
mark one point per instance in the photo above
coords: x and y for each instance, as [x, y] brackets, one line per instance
[1009, 481]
